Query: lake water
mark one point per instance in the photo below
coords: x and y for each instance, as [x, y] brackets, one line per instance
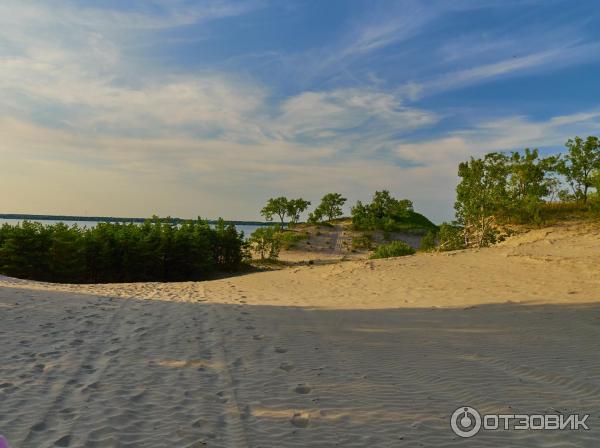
[247, 229]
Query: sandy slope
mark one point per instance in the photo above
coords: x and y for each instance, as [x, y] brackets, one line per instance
[363, 353]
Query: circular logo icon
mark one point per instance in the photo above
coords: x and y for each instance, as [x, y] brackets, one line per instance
[465, 422]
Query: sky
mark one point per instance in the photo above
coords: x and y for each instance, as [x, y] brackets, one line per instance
[210, 107]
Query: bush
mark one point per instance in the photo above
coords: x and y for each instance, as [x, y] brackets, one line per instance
[362, 242]
[394, 249]
[289, 239]
[266, 241]
[429, 241]
[158, 250]
[451, 237]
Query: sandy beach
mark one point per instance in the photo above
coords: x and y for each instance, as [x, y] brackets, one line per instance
[365, 353]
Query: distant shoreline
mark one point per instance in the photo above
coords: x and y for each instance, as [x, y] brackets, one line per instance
[113, 219]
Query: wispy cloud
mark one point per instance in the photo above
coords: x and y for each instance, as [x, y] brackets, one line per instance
[87, 113]
[555, 58]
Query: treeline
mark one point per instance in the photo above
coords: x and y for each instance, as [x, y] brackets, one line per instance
[521, 187]
[157, 250]
[28, 217]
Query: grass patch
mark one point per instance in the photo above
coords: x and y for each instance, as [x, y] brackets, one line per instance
[362, 242]
[394, 249]
[290, 239]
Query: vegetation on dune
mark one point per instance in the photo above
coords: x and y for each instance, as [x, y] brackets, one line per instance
[266, 242]
[393, 249]
[450, 237]
[282, 207]
[581, 166]
[330, 208]
[275, 207]
[522, 188]
[429, 241]
[362, 242]
[290, 239]
[157, 250]
[390, 215]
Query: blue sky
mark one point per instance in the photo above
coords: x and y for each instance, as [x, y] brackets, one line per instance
[211, 107]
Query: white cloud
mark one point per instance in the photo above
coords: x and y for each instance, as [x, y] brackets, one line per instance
[503, 134]
[86, 120]
[339, 112]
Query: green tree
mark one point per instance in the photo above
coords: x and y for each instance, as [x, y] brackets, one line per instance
[330, 207]
[579, 164]
[389, 214]
[266, 242]
[384, 205]
[295, 207]
[480, 196]
[315, 216]
[529, 181]
[276, 206]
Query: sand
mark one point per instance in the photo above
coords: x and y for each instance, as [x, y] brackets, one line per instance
[355, 354]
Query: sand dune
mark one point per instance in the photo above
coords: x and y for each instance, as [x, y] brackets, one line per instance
[359, 354]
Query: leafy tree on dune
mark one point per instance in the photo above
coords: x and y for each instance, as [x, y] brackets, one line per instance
[295, 208]
[579, 165]
[276, 207]
[330, 207]
[529, 181]
[482, 194]
[266, 242]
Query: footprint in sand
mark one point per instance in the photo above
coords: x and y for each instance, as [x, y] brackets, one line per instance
[63, 441]
[87, 368]
[221, 397]
[67, 413]
[300, 419]
[302, 388]
[246, 412]
[238, 362]
[138, 397]
[287, 366]
[41, 426]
